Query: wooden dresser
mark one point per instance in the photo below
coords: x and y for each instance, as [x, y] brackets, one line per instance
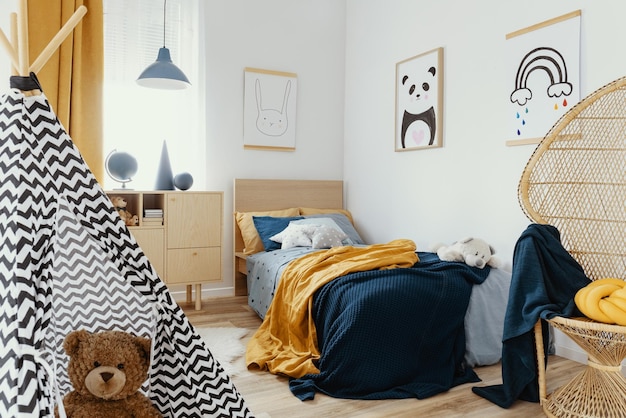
[180, 233]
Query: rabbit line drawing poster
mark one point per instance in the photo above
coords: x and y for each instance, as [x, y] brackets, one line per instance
[269, 115]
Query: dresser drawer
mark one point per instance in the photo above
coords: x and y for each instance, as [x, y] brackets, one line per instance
[152, 242]
[194, 265]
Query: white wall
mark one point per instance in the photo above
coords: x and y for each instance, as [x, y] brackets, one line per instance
[469, 186]
[305, 37]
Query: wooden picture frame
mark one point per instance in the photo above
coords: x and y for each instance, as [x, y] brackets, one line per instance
[419, 102]
[543, 66]
[269, 110]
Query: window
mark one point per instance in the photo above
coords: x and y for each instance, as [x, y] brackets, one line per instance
[137, 119]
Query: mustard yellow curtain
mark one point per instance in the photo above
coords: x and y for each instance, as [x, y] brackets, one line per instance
[72, 79]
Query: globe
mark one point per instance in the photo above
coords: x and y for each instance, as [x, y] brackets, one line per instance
[121, 167]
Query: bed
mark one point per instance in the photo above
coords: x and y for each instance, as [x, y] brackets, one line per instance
[341, 320]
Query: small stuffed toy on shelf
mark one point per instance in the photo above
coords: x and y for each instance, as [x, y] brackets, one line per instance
[472, 251]
[106, 370]
[121, 206]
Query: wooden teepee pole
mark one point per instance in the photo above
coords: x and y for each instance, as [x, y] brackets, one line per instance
[22, 38]
[58, 39]
[18, 48]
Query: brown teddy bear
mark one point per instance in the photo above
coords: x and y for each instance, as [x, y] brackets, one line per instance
[107, 370]
[120, 205]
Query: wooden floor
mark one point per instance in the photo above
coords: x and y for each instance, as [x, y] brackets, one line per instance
[269, 395]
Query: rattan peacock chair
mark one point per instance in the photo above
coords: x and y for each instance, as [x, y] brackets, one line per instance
[576, 181]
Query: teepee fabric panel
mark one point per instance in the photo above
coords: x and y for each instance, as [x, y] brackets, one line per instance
[89, 291]
[68, 262]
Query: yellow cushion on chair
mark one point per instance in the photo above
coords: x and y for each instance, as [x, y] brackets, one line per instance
[603, 300]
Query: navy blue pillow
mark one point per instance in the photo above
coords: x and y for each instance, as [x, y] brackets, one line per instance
[268, 226]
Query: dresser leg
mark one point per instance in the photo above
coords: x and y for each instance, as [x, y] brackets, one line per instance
[198, 297]
[188, 293]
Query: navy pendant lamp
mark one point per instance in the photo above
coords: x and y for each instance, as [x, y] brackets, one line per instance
[163, 73]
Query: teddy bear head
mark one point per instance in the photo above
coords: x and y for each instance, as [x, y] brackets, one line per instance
[473, 251]
[110, 365]
[119, 202]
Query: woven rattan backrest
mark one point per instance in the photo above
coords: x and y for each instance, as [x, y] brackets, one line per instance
[576, 181]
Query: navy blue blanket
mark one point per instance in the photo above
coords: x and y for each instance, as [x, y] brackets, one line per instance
[544, 280]
[392, 333]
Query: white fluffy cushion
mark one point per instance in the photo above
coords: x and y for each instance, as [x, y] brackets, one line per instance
[325, 233]
[295, 236]
[326, 237]
[325, 222]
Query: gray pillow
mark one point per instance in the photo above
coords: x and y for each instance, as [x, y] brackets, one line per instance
[344, 223]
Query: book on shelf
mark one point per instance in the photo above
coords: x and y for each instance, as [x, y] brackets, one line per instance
[153, 213]
[156, 221]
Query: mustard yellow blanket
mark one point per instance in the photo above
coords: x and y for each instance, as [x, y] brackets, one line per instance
[286, 341]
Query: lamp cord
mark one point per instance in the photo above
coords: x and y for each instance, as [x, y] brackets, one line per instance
[164, 12]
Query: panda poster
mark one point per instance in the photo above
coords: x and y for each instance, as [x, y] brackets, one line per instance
[543, 72]
[419, 101]
[269, 110]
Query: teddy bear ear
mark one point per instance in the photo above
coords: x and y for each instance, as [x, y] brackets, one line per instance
[493, 250]
[466, 240]
[145, 345]
[73, 340]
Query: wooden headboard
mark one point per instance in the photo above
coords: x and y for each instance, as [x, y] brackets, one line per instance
[252, 195]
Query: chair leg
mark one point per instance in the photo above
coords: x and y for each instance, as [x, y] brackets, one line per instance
[541, 362]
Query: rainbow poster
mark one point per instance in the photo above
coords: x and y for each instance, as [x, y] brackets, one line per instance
[543, 76]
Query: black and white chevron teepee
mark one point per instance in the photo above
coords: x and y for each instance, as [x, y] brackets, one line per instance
[68, 262]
